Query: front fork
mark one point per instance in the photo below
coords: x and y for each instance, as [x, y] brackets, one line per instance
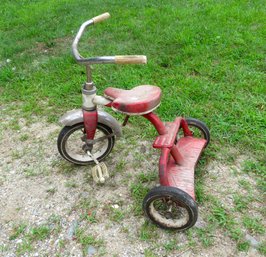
[90, 119]
[89, 110]
[90, 114]
[90, 123]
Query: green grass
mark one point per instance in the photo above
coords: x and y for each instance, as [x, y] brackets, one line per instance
[207, 57]
[39, 233]
[29, 237]
[86, 239]
[254, 225]
[148, 232]
[205, 236]
[17, 231]
[138, 192]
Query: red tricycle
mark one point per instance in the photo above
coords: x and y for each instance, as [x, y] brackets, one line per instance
[89, 135]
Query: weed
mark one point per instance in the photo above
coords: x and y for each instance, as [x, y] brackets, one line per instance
[139, 157]
[64, 167]
[116, 215]
[219, 215]
[34, 234]
[62, 243]
[55, 223]
[138, 192]
[16, 154]
[241, 202]
[171, 245]
[14, 125]
[17, 231]
[90, 216]
[235, 233]
[120, 166]
[147, 177]
[253, 224]
[191, 240]
[258, 168]
[86, 204]
[24, 137]
[86, 239]
[254, 167]
[3, 248]
[262, 248]
[38, 233]
[51, 191]
[71, 184]
[201, 196]
[243, 246]
[205, 236]
[30, 172]
[149, 253]
[24, 247]
[125, 229]
[147, 231]
[244, 184]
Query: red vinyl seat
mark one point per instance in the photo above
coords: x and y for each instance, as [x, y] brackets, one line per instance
[136, 101]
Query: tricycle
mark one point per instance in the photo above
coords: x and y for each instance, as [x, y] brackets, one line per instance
[89, 135]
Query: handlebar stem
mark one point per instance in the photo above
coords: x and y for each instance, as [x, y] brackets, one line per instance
[88, 74]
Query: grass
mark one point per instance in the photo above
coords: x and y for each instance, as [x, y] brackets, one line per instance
[209, 66]
[254, 225]
[205, 236]
[206, 56]
[138, 192]
[241, 202]
[29, 237]
[17, 231]
[148, 232]
[86, 240]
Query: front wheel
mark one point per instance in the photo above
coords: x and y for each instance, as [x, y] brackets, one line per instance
[71, 143]
[170, 208]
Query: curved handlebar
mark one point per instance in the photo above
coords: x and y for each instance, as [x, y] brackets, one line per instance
[120, 59]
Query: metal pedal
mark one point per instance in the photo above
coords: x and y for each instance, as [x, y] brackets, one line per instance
[99, 171]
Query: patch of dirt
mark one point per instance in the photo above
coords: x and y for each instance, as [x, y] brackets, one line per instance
[38, 187]
[53, 45]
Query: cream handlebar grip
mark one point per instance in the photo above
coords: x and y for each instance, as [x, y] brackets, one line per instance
[101, 17]
[130, 59]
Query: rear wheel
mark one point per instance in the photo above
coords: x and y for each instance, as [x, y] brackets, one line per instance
[198, 128]
[71, 143]
[170, 208]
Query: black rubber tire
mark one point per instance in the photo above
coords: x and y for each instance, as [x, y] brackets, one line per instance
[179, 197]
[67, 131]
[201, 126]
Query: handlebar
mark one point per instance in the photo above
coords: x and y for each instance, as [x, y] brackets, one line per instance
[119, 59]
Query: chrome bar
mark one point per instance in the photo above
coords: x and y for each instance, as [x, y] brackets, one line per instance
[126, 59]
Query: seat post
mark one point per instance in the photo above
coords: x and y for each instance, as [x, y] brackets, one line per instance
[156, 122]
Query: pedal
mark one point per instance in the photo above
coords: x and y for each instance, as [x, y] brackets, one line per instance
[99, 171]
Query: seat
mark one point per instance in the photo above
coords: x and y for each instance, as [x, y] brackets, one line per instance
[136, 101]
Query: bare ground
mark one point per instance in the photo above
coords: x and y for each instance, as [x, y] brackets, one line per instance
[38, 188]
